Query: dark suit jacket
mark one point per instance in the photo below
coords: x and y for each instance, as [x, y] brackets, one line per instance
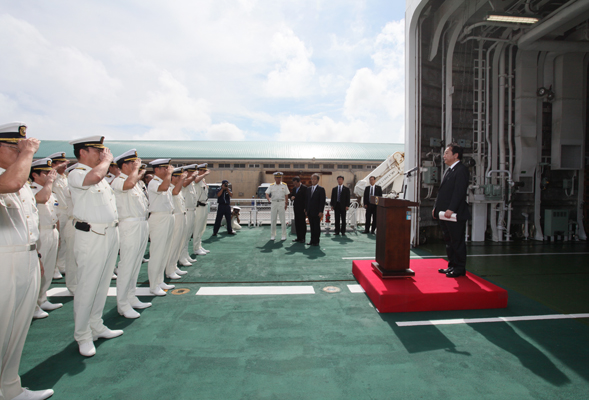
[452, 193]
[377, 192]
[344, 198]
[315, 202]
[300, 197]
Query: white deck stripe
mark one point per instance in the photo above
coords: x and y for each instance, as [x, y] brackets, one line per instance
[496, 319]
[356, 289]
[253, 290]
[112, 292]
[476, 255]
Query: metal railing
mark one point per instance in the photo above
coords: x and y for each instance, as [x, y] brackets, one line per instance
[256, 212]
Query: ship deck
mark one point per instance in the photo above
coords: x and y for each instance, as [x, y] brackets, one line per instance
[330, 344]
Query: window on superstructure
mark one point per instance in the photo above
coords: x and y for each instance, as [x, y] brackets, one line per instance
[238, 165]
[283, 165]
[254, 165]
[298, 166]
[357, 166]
[328, 166]
[343, 166]
[314, 166]
[228, 166]
[269, 165]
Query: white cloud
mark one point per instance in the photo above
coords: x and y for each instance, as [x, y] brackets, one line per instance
[322, 129]
[293, 70]
[225, 131]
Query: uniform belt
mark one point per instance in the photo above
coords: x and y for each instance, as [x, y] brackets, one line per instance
[278, 201]
[161, 212]
[200, 204]
[79, 225]
[134, 219]
[48, 226]
[180, 212]
[18, 248]
[191, 209]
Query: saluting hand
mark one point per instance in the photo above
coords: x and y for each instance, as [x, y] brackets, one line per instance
[170, 170]
[106, 155]
[51, 176]
[30, 145]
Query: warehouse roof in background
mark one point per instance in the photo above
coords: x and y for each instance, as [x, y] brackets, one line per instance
[218, 150]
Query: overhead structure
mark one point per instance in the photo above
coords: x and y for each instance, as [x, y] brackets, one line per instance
[508, 81]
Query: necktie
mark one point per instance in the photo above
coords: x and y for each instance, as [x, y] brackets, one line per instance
[313, 191]
[371, 190]
[297, 190]
[339, 193]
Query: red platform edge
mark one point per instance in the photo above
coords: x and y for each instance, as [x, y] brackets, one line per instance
[428, 290]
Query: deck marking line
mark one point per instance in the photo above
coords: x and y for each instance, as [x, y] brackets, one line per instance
[356, 289]
[253, 290]
[112, 292]
[477, 255]
[495, 319]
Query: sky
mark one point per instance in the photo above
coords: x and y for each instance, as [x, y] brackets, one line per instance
[236, 70]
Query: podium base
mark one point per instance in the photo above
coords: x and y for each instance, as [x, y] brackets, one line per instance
[392, 274]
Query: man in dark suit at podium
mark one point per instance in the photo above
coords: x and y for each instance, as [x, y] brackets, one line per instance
[340, 202]
[371, 190]
[298, 195]
[452, 200]
[314, 208]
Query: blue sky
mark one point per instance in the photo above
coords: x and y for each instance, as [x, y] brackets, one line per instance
[290, 70]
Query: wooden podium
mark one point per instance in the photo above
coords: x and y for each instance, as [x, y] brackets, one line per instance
[393, 237]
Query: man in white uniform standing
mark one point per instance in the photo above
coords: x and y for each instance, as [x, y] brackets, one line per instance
[177, 242]
[96, 243]
[189, 193]
[202, 212]
[277, 194]
[132, 208]
[43, 177]
[161, 224]
[20, 272]
[59, 164]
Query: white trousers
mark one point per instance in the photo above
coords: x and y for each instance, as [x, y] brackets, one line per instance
[47, 246]
[96, 255]
[161, 229]
[277, 209]
[134, 236]
[61, 251]
[20, 276]
[190, 219]
[200, 225]
[71, 268]
[177, 242]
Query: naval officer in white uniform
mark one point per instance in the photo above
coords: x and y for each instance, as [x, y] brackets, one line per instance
[96, 243]
[202, 211]
[20, 269]
[189, 193]
[161, 224]
[59, 164]
[277, 194]
[132, 208]
[177, 242]
[43, 176]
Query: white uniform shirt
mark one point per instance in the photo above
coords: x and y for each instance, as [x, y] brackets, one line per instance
[109, 178]
[189, 193]
[277, 192]
[47, 211]
[14, 221]
[159, 201]
[32, 214]
[94, 203]
[131, 203]
[61, 190]
[202, 191]
[179, 202]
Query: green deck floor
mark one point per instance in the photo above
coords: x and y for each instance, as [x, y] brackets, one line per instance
[326, 345]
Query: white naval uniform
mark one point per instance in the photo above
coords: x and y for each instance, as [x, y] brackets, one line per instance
[161, 228]
[65, 213]
[277, 193]
[48, 240]
[109, 178]
[20, 277]
[201, 214]
[189, 193]
[179, 234]
[134, 231]
[95, 251]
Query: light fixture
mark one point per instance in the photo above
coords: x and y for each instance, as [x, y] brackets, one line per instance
[516, 19]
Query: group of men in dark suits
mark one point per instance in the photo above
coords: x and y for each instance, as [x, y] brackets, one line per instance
[309, 202]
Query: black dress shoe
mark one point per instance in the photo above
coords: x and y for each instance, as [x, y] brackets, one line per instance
[455, 274]
[372, 232]
[343, 234]
[337, 233]
[444, 270]
[309, 244]
[365, 232]
[231, 233]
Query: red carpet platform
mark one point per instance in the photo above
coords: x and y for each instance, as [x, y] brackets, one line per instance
[428, 290]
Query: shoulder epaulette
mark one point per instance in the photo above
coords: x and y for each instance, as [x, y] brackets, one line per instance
[284, 183]
[273, 184]
[83, 169]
